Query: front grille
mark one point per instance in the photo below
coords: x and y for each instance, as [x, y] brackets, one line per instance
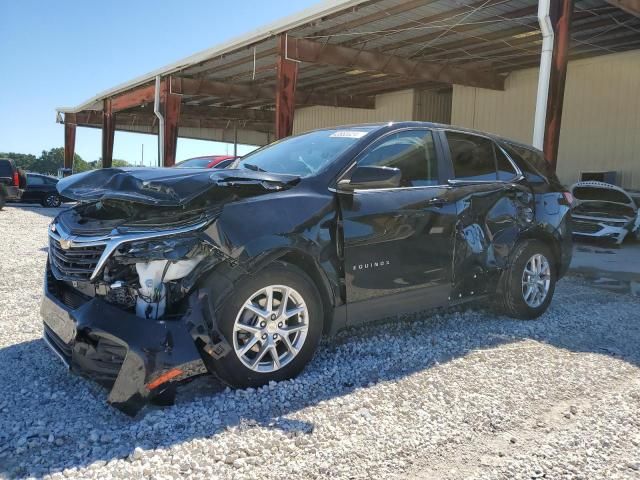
[74, 263]
[585, 227]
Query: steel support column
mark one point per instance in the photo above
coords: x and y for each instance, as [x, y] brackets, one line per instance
[170, 103]
[69, 139]
[560, 13]
[287, 77]
[108, 132]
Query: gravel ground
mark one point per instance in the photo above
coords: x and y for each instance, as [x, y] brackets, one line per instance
[455, 395]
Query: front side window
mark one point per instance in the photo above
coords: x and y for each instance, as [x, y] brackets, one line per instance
[303, 155]
[477, 158]
[411, 151]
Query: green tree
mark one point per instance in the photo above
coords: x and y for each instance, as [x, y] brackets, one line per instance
[23, 160]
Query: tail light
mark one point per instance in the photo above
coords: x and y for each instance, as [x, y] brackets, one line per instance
[568, 197]
[16, 179]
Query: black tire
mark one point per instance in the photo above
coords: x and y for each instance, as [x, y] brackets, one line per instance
[509, 299]
[230, 368]
[3, 196]
[51, 200]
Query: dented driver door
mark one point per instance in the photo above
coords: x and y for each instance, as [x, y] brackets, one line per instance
[398, 242]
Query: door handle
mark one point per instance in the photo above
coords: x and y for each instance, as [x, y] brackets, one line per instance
[436, 203]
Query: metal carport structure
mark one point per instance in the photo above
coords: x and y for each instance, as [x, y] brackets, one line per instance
[345, 53]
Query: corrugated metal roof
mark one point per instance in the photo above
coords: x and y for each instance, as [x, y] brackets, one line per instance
[483, 35]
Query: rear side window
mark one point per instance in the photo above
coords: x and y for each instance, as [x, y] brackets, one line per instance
[411, 151]
[476, 158]
[6, 170]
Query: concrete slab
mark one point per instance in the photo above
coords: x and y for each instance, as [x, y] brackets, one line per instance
[612, 267]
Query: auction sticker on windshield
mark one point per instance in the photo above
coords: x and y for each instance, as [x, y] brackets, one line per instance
[348, 134]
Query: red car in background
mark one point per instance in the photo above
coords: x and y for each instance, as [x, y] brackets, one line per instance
[210, 161]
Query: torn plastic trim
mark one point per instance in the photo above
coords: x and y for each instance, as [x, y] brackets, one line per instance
[151, 348]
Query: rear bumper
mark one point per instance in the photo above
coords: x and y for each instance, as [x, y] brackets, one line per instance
[137, 358]
[13, 193]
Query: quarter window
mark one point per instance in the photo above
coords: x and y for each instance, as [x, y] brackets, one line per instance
[411, 151]
[505, 169]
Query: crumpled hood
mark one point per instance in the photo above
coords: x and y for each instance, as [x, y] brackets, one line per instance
[169, 187]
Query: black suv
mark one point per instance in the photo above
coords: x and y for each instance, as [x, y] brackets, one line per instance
[42, 189]
[158, 275]
[12, 181]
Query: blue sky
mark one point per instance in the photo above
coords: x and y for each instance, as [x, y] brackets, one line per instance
[60, 53]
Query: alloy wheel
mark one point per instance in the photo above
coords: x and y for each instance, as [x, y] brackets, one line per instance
[536, 280]
[270, 328]
[52, 201]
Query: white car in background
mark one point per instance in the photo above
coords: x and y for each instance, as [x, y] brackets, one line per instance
[602, 210]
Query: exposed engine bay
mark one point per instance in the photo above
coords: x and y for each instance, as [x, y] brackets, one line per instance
[602, 210]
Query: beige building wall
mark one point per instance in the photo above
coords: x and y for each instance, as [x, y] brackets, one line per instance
[389, 106]
[600, 123]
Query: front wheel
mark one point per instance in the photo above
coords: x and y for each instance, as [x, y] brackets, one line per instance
[527, 286]
[273, 321]
[51, 200]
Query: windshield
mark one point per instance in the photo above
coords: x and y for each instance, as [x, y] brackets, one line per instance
[194, 163]
[303, 155]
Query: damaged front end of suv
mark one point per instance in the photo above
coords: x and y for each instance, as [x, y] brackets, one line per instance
[604, 211]
[122, 302]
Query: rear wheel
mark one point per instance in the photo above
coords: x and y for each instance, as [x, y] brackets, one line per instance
[527, 286]
[273, 322]
[51, 200]
[3, 197]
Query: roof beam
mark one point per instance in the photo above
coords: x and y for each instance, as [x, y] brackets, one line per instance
[629, 6]
[133, 98]
[328, 54]
[188, 86]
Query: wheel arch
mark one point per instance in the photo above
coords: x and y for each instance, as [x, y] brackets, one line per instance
[310, 266]
[548, 239]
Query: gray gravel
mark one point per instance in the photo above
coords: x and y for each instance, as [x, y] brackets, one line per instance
[455, 395]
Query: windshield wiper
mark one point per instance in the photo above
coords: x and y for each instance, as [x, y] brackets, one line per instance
[255, 168]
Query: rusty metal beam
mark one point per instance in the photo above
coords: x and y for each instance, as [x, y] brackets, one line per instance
[629, 6]
[133, 98]
[127, 120]
[108, 132]
[560, 13]
[339, 56]
[287, 76]
[190, 86]
[170, 104]
[69, 139]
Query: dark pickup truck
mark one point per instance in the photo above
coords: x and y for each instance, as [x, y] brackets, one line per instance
[12, 181]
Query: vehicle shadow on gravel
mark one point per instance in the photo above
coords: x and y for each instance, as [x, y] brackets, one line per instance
[51, 420]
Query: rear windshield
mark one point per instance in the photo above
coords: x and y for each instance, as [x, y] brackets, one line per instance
[194, 163]
[600, 194]
[6, 170]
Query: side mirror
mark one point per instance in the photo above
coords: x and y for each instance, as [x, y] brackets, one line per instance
[371, 177]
